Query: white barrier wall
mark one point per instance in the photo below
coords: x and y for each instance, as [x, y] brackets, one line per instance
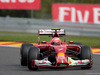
[33, 25]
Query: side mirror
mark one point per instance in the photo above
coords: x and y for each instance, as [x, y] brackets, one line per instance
[70, 42]
[44, 42]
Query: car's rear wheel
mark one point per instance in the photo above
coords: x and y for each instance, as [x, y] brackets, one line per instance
[33, 54]
[24, 52]
[86, 53]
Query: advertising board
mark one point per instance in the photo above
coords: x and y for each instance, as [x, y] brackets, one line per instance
[82, 13]
[20, 4]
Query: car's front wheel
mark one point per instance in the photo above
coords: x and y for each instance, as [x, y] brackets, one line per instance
[24, 52]
[86, 53]
[33, 54]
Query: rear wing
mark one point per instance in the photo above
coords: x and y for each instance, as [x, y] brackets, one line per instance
[61, 32]
[50, 32]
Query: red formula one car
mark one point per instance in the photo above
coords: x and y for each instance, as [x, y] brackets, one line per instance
[55, 53]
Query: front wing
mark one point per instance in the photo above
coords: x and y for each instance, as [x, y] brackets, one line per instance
[46, 63]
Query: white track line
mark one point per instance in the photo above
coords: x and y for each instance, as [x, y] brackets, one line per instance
[97, 53]
[9, 46]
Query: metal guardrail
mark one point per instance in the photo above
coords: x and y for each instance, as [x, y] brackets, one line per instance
[32, 25]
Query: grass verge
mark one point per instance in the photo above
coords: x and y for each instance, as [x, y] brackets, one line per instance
[33, 38]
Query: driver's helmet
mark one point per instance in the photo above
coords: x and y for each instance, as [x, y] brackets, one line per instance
[55, 41]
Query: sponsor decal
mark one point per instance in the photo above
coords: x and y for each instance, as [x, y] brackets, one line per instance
[70, 61]
[51, 31]
[61, 57]
[63, 64]
[59, 49]
[61, 61]
[43, 63]
[60, 54]
[80, 62]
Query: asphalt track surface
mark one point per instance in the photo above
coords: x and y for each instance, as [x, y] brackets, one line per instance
[10, 65]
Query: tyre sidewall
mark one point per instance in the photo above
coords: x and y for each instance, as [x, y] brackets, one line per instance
[24, 52]
[86, 53]
[33, 54]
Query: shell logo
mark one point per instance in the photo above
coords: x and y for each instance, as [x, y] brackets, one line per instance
[61, 54]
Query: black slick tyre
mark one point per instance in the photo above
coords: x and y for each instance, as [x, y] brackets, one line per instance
[24, 52]
[86, 53]
[33, 54]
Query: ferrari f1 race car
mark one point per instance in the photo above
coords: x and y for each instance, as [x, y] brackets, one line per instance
[55, 53]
